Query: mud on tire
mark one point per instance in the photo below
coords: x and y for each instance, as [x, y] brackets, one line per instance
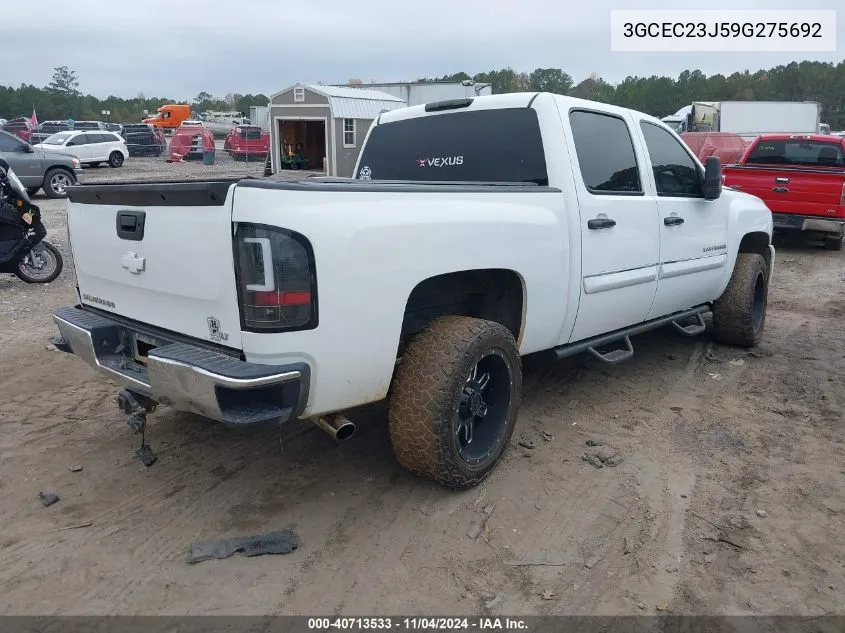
[739, 315]
[456, 376]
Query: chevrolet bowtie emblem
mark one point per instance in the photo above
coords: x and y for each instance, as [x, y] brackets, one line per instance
[133, 263]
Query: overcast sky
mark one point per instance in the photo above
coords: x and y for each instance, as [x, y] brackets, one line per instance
[179, 48]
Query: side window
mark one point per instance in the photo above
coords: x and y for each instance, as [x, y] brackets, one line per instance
[8, 144]
[675, 172]
[82, 139]
[605, 153]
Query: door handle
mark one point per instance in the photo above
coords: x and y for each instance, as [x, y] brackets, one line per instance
[673, 220]
[601, 223]
[780, 189]
[782, 180]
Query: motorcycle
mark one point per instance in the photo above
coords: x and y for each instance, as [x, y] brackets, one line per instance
[23, 251]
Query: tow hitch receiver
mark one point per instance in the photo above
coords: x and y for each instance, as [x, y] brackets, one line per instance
[137, 406]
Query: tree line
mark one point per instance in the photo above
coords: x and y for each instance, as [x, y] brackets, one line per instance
[657, 95]
[662, 96]
[61, 99]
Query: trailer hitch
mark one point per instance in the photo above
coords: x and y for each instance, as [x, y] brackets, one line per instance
[137, 406]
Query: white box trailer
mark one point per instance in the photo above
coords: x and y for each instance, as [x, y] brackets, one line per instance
[752, 118]
[748, 118]
[260, 115]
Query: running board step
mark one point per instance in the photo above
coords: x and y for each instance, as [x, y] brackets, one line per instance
[693, 329]
[616, 355]
[593, 344]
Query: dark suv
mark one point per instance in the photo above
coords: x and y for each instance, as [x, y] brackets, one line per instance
[143, 139]
[46, 130]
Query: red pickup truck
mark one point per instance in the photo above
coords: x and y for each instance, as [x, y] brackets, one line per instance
[801, 178]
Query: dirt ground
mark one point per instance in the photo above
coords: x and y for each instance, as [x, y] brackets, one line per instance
[730, 498]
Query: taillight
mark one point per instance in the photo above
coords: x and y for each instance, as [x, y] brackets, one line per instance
[276, 279]
[842, 197]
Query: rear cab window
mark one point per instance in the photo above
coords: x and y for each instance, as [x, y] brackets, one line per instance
[605, 153]
[799, 152]
[498, 145]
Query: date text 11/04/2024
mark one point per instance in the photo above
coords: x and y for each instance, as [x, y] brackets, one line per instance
[417, 624]
[722, 29]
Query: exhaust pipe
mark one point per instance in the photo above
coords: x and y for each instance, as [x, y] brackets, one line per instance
[339, 427]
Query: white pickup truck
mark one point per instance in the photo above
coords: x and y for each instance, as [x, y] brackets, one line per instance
[472, 233]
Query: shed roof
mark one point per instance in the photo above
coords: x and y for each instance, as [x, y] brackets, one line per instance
[354, 103]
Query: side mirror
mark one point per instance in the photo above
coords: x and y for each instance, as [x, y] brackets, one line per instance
[712, 178]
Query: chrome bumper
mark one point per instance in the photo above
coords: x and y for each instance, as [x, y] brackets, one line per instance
[186, 376]
[834, 227]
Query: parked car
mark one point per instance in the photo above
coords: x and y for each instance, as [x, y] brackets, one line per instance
[144, 139]
[190, 143]
[37, 169]
[801, 178]
[453, 252]
[90, 125]
[247, 142]
[21, 128]
[91, 148]
[114, 127]
[46, 130]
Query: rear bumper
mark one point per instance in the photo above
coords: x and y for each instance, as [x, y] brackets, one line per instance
[810, 223]
[188, 377]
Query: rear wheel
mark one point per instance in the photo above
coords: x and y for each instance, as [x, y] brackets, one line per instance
[739, 315]
[833, 243]
[455, 400]
[115, 159]
[56, 182]
[40, 265]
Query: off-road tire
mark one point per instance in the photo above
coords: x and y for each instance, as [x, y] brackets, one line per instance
[55, 173]
[115, 160]
[427, 390]
[833, 243]
[736, 316]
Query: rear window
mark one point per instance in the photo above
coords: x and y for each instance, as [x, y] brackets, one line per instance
[801, 152]
[14, 127]
[251, 134]
[502, 145]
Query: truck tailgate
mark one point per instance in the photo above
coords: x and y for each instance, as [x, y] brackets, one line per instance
[159, 253]
[797, 191]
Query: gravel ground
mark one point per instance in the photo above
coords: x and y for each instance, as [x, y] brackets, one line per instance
[729, 499]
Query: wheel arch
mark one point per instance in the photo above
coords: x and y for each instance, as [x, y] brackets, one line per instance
[757, 242]
[494, 294]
